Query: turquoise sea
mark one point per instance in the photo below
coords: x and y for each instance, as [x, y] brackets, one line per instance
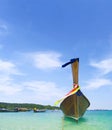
[54, 120]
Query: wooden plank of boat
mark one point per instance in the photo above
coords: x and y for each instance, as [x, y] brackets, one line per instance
[74, 105]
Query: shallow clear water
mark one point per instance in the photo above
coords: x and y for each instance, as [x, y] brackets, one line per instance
[54, 120]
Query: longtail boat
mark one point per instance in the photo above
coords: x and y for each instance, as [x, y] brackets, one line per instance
[74, 104]
[39, 110]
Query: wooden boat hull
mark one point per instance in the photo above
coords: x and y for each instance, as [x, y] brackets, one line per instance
[75, 105]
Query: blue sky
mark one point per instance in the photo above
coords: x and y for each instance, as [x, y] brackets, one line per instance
[38, 36]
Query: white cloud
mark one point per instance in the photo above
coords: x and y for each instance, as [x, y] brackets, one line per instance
[98, 83]
[7, 67]
[46, 60]
[42, 87]
[41, 91]
[10, 88]
[7, 85]
[3, 28]
[47, 91]
[33, 91]
[105, 66]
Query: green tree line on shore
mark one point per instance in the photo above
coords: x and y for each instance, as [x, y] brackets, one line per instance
[26, 105]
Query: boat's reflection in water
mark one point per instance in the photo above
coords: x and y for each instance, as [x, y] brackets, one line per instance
[70, 123]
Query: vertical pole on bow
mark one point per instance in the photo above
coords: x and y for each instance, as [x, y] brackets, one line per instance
[75, 67]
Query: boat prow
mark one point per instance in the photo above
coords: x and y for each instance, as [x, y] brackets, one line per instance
[75, 105]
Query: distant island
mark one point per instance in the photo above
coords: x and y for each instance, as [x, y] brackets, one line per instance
[25, 106]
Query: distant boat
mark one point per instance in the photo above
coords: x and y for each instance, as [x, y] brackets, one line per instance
[39, 110]
[74, 104]
[22, 109]
[7, 110]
